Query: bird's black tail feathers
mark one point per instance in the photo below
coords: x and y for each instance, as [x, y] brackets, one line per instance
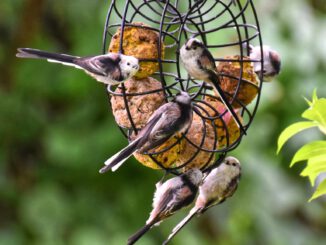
[214, 79]
[39, 54]
[182, 223]
[135, 237]
[119, 158]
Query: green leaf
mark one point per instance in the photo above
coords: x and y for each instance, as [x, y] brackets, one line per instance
[317, 113]
[314, 96]
[312, 149]
[315, 166]
[308, 101]
[292, 130]
[321, 190]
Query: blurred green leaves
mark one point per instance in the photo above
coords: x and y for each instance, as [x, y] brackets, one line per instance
[314, 152]
[292, 130]
[56, 129]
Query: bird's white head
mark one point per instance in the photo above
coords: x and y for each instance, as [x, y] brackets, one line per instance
[231, 164]
[195, 176]
[183, 98]
[193, 44]
[191, 48]
[272, 62]
[129, 66]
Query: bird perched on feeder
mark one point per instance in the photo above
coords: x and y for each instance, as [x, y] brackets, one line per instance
[111, 68]
[272, 62]
[169, 197]
[200, 64]
[169, 119]
[220, 184]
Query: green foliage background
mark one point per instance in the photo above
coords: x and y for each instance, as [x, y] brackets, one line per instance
[56, 129]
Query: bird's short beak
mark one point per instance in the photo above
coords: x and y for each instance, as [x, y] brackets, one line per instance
[136, 67]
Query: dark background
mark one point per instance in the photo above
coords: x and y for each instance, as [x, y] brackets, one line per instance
[56, 129]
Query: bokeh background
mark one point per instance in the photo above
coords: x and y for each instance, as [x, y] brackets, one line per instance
[56, 129]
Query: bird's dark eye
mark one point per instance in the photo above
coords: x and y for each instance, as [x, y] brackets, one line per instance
[194, 48]
[128, 64]
[227, 163]
[233, 164]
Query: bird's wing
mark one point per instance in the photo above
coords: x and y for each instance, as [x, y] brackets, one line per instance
[161, 126]
[173, 200]
[166, 125]
[232, 187]
[103, 65]
[206, 61]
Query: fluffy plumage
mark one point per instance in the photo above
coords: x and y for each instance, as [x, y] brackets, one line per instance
[171, 196]
[272, 62]
[109, 68]
[200, 64]
[220, 184]
[169, 119]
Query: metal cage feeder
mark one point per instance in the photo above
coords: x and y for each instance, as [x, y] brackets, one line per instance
[224, 28]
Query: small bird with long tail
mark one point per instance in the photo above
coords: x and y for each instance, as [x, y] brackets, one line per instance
[169, 119]
[220, 184]
[171, 196]
[200, 64]
[108, 68]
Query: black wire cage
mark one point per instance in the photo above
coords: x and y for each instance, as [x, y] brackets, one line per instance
[227, 28]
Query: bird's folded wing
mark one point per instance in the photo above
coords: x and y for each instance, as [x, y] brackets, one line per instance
[101, 65]
[206, 61]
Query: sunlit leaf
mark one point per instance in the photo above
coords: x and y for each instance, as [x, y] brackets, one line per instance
[292, 130]
[317, 113]
[308, 101]
[321, 190]
[315, 166]
[312, 149]
[314, 96]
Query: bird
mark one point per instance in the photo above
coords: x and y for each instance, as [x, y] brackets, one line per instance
[169, 197]
[200, 64]
[110, 68]
[169, 119]
[220, 184]
[272, 61]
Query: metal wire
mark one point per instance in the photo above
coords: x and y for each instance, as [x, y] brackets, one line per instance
[175, 23]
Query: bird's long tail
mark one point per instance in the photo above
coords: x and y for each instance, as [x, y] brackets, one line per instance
[119, 158]
[135, 237]
[217, 88]
[51, 57]
[181, 224]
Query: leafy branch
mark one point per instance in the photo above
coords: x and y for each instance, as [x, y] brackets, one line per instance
[314, 152]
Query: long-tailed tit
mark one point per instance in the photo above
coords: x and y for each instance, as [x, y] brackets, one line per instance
[200, 64]
[272, 62]
[109, 68]
[169, 119]
[219, 184]
[169, 197]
